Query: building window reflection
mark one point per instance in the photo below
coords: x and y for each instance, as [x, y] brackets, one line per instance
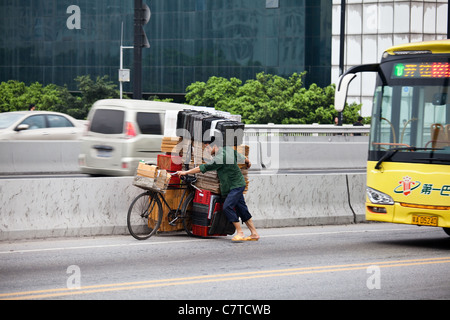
[190, 40]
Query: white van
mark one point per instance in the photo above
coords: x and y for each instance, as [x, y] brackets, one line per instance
[120, 133]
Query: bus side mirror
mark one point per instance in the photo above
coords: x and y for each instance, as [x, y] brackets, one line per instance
[340, 96]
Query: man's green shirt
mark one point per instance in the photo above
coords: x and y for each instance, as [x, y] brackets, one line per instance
[225, 163]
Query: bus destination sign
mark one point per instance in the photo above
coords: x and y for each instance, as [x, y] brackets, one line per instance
[421, 70]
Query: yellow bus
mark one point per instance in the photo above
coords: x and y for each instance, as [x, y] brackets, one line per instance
[408, 168]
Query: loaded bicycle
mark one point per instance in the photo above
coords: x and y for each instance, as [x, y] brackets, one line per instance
[146, 211]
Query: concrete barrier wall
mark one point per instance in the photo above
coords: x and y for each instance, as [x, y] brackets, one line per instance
[305, 199]
[62, 207]
[34, 208]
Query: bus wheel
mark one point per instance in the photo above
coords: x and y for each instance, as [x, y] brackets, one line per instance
[447, 230]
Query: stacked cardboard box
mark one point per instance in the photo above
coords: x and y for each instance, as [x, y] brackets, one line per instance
[208, 181]
[171, 145]
[150, 177]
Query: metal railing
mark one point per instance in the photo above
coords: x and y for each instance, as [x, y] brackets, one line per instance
[305, 130]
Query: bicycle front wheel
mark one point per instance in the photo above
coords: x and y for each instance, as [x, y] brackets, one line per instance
[144, 215]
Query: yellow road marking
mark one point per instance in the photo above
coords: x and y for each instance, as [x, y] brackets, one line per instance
[58, 292]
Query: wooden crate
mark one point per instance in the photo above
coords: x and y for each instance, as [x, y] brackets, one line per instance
[173, 197]
[145, 170]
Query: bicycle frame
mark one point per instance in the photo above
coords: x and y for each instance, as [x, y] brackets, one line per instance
[188, 186]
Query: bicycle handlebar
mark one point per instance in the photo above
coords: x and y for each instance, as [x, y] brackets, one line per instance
[189, 179]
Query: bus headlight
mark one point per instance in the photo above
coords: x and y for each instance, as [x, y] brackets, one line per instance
[377, 197]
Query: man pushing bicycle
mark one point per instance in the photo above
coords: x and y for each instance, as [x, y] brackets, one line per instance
[232, 186]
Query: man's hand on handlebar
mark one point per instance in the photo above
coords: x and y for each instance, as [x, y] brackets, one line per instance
[192, 171]
[181, 173]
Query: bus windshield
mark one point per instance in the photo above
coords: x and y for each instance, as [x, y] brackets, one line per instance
[411, 113]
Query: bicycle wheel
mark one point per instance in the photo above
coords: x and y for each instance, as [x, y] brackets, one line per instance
[144, 215]
[187, 213]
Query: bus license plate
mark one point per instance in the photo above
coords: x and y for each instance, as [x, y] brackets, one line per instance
[425, 220]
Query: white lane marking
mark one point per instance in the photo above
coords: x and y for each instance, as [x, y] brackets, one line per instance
[149, 243]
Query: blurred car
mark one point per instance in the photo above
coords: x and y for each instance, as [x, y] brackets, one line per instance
[121, 133]
[39, 125]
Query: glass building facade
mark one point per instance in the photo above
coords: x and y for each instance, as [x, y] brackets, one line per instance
[54, 41]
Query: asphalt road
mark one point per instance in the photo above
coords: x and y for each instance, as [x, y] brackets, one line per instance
[363, 261]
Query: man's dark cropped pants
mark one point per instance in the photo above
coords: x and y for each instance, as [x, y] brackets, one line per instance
[235, 206]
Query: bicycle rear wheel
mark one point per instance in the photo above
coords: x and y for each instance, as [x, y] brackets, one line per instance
[187, 213]
[144, 215]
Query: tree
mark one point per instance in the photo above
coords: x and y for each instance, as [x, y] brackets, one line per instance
[216, 92]
[15, 96]
[11, 96]
[92, 91]
[270, 98]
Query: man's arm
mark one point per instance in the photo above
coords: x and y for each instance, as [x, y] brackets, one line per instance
[192, 171]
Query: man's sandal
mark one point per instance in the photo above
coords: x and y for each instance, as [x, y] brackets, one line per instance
[239, 238]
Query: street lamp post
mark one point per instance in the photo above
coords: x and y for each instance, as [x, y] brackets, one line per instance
[141, 17]
[342, 50]
[124, 74]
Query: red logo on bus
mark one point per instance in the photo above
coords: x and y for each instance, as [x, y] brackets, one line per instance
[406, 186]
